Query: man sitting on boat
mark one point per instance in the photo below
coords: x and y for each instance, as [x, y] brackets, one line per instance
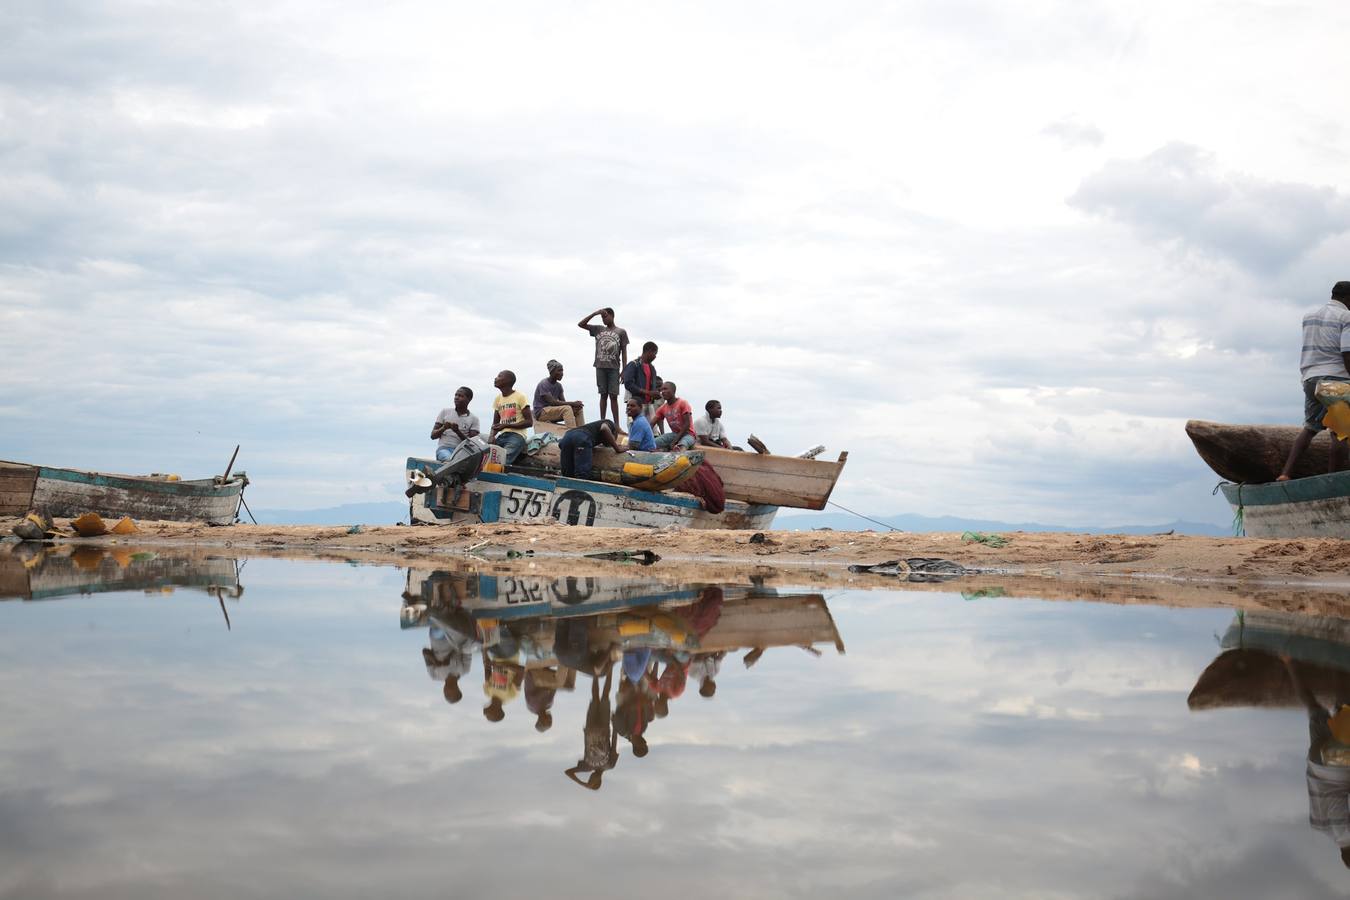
[678, 417]
[708, 428]
[640, 435]
[577, 445]
[1326, 357]
[511, 416]
[641, 382]
[454, 426]
[549, 403]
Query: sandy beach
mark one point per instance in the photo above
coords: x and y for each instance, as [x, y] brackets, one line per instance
[1304, 575]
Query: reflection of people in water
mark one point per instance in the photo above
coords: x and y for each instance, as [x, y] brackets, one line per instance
[539, 696]
[703, 669]
[453, 640]
[502, 674]
[633, 711]
[1328, 781]
[600, 750]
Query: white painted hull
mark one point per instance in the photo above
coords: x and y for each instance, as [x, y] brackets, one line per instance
[1305, 507]
[509, 497]
[66, 493]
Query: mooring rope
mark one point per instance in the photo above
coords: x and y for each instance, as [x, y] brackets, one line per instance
[861, 516]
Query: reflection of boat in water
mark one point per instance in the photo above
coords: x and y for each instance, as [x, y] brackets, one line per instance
[50, 572]
[514, 497]
[749, 616]
[1250, 670]
[73, 492]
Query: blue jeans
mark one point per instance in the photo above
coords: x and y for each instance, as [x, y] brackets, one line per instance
[667, 440]
[574, 452]
[513, 442]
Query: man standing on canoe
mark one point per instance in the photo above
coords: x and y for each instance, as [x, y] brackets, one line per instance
[549, 404]
[611, 356]
[641, 382]
[1326, 357]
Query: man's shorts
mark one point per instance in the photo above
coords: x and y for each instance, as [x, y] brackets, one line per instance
[1313, 410]
[607, 381]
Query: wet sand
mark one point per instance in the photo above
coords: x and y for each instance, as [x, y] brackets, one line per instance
[1305, 575]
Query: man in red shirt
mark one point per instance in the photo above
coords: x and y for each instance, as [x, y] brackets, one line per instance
[679, 419]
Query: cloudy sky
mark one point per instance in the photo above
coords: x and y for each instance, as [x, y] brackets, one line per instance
[998, 255]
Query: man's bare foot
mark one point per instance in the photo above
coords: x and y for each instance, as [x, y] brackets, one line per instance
[1283, 478]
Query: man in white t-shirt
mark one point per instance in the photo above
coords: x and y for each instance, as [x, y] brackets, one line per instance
[708, 428]
[454, 426]
[1325, 357]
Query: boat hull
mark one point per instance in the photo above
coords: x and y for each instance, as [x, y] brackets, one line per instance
[512, 497]
[1255, 454]
[66, 493]
[1304, 507]
[766, 478]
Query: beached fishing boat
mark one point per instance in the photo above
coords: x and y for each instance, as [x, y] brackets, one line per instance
[1250, 457]
[766, 478]
[72, 492]
[1255, 454]
[539, 498]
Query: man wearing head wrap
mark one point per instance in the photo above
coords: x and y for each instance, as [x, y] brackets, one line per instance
[549, 403]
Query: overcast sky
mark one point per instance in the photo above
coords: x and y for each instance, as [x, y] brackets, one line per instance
[999, 256]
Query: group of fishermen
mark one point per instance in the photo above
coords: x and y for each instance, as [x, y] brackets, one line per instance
[659, 419]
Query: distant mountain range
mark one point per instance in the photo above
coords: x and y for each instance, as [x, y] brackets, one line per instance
[917, 523]
[389, 512]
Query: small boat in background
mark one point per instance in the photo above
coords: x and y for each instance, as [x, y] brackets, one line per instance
[67, 493]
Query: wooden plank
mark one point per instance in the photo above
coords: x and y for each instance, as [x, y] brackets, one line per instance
[15, 503]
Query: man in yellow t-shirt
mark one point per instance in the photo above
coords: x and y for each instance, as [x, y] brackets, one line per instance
[511, 416]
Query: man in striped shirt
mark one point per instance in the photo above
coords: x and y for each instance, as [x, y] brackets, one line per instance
[1326, 357]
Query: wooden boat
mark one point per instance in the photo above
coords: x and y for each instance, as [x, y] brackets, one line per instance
[1250, 672]
[66, 493]
[537, 498]
[767, 478]
[47, 573]
[1304, 507]
[639, 469]
[1255, 454]
[1250, 457]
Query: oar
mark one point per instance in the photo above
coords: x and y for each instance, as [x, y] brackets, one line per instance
[226, 477]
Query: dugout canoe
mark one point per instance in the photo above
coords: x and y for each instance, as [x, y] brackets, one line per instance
[536, 497]
[1255, 454]
[67, 493]
[766, 478]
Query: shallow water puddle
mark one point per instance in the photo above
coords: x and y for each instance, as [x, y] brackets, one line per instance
[364, 731]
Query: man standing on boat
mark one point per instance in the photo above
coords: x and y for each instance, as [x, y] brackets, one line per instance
[549, 404]
[511, 418]
[611, 356]
[1326, 357]
[641, 382]
[454, 426]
